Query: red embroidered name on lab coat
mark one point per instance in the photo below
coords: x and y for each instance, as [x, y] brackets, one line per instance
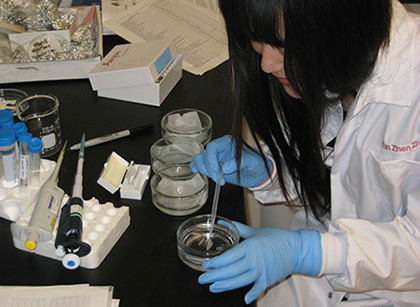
[400, 148]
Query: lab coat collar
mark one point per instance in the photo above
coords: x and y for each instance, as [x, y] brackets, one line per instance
[392, 78]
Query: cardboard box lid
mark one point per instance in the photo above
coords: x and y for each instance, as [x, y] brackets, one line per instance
[116, 169]
[150, 94]
[133, 64]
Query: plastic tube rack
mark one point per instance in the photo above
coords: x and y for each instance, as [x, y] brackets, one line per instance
[103, 225]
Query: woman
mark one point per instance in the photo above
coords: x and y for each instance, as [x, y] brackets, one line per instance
[331, 92]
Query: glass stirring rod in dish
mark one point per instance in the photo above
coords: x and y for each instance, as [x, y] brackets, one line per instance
[219, 177]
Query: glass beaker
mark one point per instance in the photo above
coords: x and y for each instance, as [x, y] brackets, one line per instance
[41, 116]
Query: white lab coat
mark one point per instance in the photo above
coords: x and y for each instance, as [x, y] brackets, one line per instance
[371, 247]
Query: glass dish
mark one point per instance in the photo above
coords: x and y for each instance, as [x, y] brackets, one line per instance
[193, 239]
[9, 97]
[177, 191]
[188, 123]
[173, 150]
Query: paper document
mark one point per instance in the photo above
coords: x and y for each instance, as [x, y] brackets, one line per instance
[57, 296]
[198, 30]
[111, 8]
[206, 6]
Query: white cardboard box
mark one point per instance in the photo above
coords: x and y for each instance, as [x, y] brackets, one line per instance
[133, 64]
[141, 72]
[151, 94]
[54, 70]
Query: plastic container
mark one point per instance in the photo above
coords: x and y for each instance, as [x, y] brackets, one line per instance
[172, 151]
[177, 191]
[188, 123]
[193, 235]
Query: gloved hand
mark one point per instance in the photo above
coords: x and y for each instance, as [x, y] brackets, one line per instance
[252, 167]
[266, 256]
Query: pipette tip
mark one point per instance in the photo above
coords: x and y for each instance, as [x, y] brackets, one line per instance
[63, 150]
[82, 146]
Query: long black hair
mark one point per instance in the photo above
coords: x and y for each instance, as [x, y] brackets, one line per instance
[329, 45]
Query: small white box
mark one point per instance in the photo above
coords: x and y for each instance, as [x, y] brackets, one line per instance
[135, 177]
[151, 94]
[141, 72]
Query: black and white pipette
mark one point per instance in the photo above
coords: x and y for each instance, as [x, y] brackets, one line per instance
[68, 242]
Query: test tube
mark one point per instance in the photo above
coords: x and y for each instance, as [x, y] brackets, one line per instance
[19, 128]
[9, 176]
[23, 139]
[34, 148]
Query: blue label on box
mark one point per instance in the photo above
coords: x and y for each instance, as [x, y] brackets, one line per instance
[163, 60]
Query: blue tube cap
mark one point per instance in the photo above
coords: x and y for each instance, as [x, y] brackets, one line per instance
[7, 137]
[6, 116]
[20, 127]
[7, 125]
[35, 145]
[24, 137]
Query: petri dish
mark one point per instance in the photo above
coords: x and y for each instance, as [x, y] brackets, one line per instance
[193, 237]
[177, 191]
[173, 150]
[188, 123]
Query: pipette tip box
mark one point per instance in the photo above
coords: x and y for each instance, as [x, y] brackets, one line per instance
[143, 72]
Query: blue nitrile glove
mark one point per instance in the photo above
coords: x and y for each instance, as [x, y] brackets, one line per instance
[266, 256]
[252, 168]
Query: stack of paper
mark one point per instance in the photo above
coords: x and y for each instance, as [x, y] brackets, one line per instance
[58, 296]
[197, 27]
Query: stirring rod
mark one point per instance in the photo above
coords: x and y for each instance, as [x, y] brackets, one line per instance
[214, 206]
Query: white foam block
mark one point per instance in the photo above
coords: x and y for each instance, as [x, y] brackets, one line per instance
[103, 225]
[15, 202]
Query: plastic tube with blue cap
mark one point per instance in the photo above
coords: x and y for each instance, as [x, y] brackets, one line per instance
[24, 158]
[34, 148]
[9, 177]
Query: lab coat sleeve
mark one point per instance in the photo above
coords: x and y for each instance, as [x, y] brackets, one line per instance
[269, 191]
[375, 256]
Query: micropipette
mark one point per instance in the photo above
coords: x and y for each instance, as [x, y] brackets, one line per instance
[45, 213]
[219, 177]
[68, 242]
